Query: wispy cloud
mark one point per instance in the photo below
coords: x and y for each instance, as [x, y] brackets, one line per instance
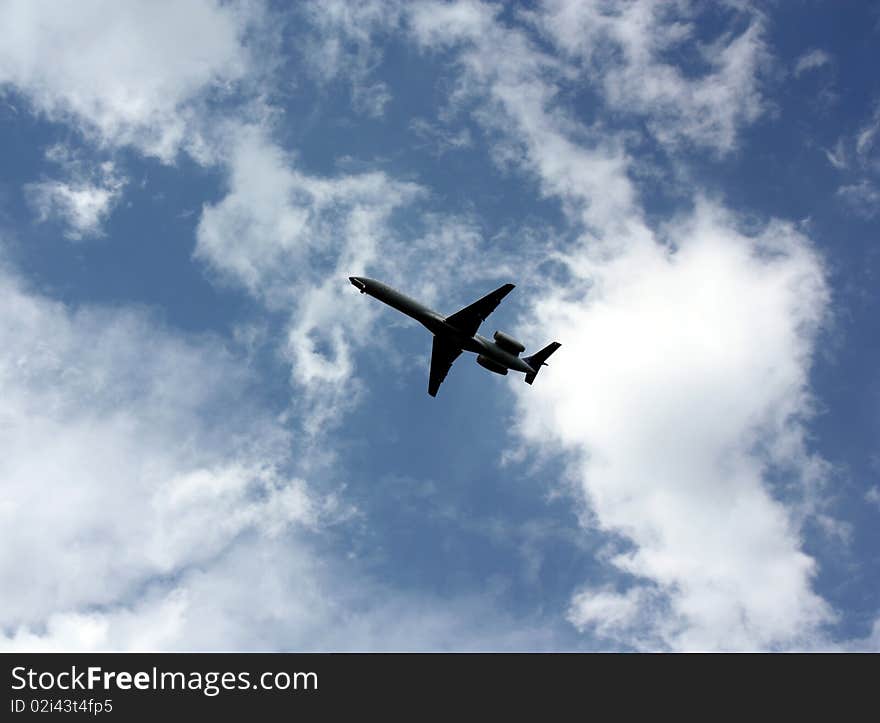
[866, 137]
[341, 45]
[811, 60]
[83, 200]
[862, 198]
[837, 155]
[624, 50]
[441, 140]
[292, 239]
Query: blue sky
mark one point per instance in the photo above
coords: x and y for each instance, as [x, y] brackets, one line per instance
[211, 441]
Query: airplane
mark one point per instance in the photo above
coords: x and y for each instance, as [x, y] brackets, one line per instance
[458, 332]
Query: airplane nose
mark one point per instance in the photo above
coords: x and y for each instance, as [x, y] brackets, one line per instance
[358, 283]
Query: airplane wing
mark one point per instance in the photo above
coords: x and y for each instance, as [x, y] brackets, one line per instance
[442, 356]
[468, 320]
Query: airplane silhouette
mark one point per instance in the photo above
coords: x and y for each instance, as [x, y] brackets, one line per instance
[457, 332]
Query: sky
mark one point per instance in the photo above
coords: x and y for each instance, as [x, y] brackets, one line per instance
[210, 441]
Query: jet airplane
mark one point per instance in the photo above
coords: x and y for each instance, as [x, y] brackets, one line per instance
[457, 332]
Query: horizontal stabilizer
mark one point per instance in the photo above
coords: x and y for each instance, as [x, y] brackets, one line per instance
[538, 360]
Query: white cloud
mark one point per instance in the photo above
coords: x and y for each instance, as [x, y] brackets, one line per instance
[292, 240]
[273, 594]
[278, 226]
[123, 72]
[613, 615]
[437, 23]
[371, 99]
[873, 495]
[82, 207]
[341, 43]
[811, 60]
[126, 453]
[148, 627]
[441, 140]
[626, 50]
[858, 152]
[867, 136]
[512, 86]
[862, 198]
[83, 201]
[692, 369]
[837, 156]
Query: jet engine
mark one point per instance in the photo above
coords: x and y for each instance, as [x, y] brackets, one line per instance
[492, 366]
[508, 343]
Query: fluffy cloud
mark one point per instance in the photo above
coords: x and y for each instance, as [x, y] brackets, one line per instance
[123, 73]
[82, 207]
[691, 364]
[276, 594]
[613, 615]
[126, 454]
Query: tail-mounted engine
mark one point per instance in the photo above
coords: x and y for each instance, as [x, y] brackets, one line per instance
[508, 343]
[492, 366]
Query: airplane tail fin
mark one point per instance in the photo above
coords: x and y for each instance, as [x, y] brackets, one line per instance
[538, 360]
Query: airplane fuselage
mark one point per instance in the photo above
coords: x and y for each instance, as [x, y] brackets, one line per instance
[436, 323]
